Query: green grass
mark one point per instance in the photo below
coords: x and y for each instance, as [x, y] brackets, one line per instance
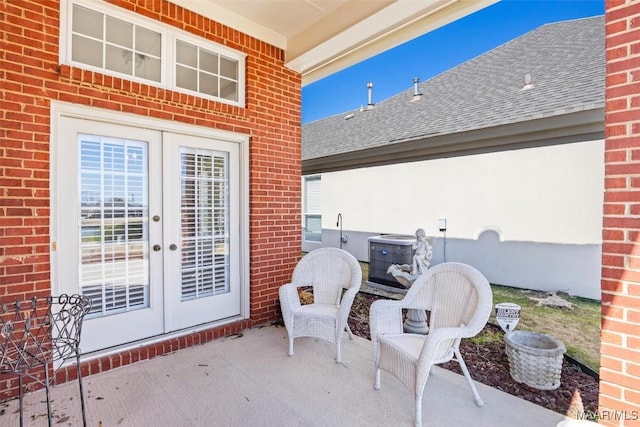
[578, 327]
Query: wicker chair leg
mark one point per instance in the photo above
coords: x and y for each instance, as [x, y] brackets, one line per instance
[349, 332]
[418, 420]
[338, 356]
[376, 384]
[472, 386]
[290, 346]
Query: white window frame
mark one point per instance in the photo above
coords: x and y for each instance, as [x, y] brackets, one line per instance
[305, 212]
[219, 50]
[168, 34]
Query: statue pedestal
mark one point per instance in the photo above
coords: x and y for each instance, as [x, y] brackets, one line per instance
[416, 322]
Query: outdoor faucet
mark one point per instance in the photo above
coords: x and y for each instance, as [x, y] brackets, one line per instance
[343, 239]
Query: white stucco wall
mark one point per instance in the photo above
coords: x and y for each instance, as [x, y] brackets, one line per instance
[529, 218]
[550, 194]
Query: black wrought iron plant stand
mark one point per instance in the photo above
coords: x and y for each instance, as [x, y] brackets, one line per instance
[41, 334]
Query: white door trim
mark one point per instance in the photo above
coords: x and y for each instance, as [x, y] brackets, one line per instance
[63, 109]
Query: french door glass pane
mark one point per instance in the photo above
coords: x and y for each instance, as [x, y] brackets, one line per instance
[114, 224]
[204, 187]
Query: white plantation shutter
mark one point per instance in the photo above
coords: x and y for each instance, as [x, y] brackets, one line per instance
[204, 223]
[113, 218]
[313, 199]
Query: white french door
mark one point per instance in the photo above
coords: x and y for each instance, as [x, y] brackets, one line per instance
[200, 230]
[148, 225]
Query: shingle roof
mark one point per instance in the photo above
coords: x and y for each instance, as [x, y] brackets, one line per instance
[565, 60]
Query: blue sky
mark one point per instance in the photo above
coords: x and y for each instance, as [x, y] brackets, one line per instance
[429, 55]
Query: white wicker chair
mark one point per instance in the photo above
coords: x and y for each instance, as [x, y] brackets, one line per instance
[335, 276]
[459, 300]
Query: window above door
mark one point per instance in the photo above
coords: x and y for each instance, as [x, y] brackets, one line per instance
[102, 37]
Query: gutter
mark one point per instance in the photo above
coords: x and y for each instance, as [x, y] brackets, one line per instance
[560, 129]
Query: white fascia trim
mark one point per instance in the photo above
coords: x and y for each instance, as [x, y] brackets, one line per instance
[233, 20]
[393, 25]
[366, 31]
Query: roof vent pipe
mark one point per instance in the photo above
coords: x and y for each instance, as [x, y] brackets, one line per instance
[416, 88]
[370, 89]
[528, 84]
[417, 95]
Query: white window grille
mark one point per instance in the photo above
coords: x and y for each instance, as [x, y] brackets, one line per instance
[102, 37]
[115, 45]
[206, 72]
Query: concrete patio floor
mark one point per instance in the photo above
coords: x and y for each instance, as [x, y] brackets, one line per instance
[249, 380]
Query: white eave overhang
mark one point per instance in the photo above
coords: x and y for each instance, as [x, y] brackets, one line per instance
[321, 37]
[398, 23]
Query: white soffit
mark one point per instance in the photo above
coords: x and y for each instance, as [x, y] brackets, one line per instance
[321, 37]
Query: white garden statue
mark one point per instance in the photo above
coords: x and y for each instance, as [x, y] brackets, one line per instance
[406, 274]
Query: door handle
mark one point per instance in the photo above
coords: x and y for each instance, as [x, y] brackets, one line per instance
[156, 248]
[173, 247]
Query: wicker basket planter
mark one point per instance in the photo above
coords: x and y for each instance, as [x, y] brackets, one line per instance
[535, 359]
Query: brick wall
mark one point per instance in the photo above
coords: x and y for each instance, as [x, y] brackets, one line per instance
[30, 77]
[620, 341]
